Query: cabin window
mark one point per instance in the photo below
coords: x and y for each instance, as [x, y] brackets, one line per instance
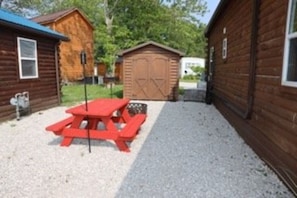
[289, 76]
[224, 48]
[27, 53]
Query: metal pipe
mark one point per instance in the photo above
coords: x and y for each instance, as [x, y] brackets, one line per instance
[17, 108]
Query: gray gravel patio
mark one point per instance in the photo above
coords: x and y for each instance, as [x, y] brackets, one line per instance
[184, 149]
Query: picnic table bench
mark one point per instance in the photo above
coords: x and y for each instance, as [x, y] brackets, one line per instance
[58, 127]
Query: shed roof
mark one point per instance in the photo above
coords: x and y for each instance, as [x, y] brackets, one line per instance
[54, 17]
[216, 14]
[9, 19]
[121, 53]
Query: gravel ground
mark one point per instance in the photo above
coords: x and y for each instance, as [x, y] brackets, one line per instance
[184, 149]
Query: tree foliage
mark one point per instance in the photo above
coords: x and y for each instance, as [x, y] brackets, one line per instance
[121, 24]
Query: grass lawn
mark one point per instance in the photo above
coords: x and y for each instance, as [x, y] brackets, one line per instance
[72, 94]
[188, 80]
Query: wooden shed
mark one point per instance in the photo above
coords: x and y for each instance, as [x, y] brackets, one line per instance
[29, 62]
[151, 72]
[252, 77]
[74, 24]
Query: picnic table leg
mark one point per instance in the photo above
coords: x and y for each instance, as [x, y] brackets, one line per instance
[122, 146]
[125, 114]
[109, 124]
[75, 124]
[92, 123]
[66, 141]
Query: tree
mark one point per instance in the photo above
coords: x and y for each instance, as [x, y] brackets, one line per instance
[171, 24]
[186, 27]
[140, 18]
[121, 24]
[25, 8]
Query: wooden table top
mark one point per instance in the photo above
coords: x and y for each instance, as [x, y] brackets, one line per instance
[102, 107]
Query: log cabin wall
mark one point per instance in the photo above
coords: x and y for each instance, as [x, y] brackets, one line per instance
[102, 69]
[76, 26]
[275, 106]
[118, 71]
[81, 37]
[43, 91]
[271, 130]
[232, 73]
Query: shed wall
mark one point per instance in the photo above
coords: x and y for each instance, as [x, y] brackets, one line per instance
[150, 53]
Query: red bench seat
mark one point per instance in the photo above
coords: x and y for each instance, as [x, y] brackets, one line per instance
[132, 127]
[120, 137]
[58, 127]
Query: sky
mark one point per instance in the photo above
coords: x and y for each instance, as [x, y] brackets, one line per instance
[211, 7]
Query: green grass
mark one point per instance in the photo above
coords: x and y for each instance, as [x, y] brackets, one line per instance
[188, 80]
[72, 94]
[181, 91]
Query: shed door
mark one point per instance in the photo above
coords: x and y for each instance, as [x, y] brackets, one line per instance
[150, 78]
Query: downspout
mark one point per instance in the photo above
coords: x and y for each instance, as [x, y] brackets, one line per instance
[253, 59]
[57, 71]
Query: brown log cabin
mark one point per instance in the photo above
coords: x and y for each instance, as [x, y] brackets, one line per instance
[252, 77]
[75, 25]
[102, 70]
[29, 62]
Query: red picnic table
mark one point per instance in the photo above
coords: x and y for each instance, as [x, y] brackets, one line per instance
[110, 112]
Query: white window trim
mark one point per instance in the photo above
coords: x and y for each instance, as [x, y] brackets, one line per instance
[224, 48]
[26, 58]
[286, 49]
